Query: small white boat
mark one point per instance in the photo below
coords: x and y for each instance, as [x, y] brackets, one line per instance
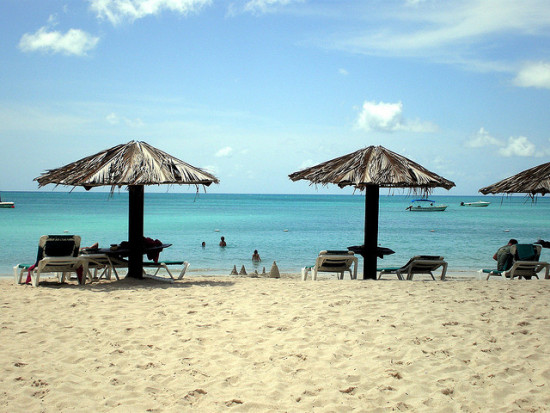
[475, 204]
[425, 205]
[6, 204]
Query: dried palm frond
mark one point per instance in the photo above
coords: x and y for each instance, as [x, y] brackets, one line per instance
[532, 181]
[374, 165]
[134, 163]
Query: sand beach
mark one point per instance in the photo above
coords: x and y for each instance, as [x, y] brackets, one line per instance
[259, 344]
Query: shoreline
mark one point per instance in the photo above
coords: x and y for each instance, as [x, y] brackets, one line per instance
[209, 343]
[193, 273]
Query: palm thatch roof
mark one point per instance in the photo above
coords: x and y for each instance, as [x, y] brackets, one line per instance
[134, 163]
[532, 181]
[373, 165]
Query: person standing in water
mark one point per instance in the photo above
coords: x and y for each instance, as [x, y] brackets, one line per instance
[222, 242]
[256, 256]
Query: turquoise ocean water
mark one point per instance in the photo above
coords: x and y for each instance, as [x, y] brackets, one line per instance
[288, 229]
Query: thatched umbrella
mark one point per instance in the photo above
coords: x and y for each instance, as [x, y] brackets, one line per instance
[532, 181]
[134, 165]
[369, 169]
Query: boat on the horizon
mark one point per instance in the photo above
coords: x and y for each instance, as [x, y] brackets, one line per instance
[475, 204]
[6, 204]
[425, 205]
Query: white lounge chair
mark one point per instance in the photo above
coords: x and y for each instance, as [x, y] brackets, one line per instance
[56, 254]
[334, 262]
[103, 265]
[419, 264]
[164, 265]
[526, 263]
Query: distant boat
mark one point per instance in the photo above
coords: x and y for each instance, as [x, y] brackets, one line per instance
[425, 205]
[475, 204]
[6, 204]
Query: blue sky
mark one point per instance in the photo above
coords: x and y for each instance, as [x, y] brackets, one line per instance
[253, 90]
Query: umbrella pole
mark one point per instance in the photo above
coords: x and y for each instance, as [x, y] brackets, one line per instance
[372, 193]
[135, 231]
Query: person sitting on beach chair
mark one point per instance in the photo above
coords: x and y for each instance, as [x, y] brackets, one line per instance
[504, 257]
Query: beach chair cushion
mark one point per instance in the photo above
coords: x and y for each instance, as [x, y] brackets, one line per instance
[526, 252]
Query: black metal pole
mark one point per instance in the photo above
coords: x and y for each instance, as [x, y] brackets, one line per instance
[135, 231]
[371, 231]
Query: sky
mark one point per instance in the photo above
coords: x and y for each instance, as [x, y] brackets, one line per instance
[253, 90]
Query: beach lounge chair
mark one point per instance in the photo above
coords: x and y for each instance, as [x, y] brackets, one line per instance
[419, 264]
[526, 263]
[164, 265]
[103, 265]
[333, 261]
[56, 254]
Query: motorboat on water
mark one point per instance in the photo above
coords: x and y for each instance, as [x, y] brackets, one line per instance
[426, 205]
[6, 204]
[475, 204]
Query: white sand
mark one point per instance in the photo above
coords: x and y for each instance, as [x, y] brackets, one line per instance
[243, 344]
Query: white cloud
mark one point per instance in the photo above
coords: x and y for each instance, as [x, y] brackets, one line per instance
[227, 151]
[520, 146]
[388, 117]
[515, 146]
[213, 169]
[414, 2]
[343, 72]
[452, 31]
[114, 119]
[307, 164]
[134, 123]
[117, 11]
[74, 42]
[264, 6]
[534, 75]
[483, 138]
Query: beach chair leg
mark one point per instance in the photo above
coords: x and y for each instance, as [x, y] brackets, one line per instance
[313, 274]
[185, 267]
[443, 272]
[18, 274]
[304, 273]
[35, 278]
[157, 271]
[167, 270]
